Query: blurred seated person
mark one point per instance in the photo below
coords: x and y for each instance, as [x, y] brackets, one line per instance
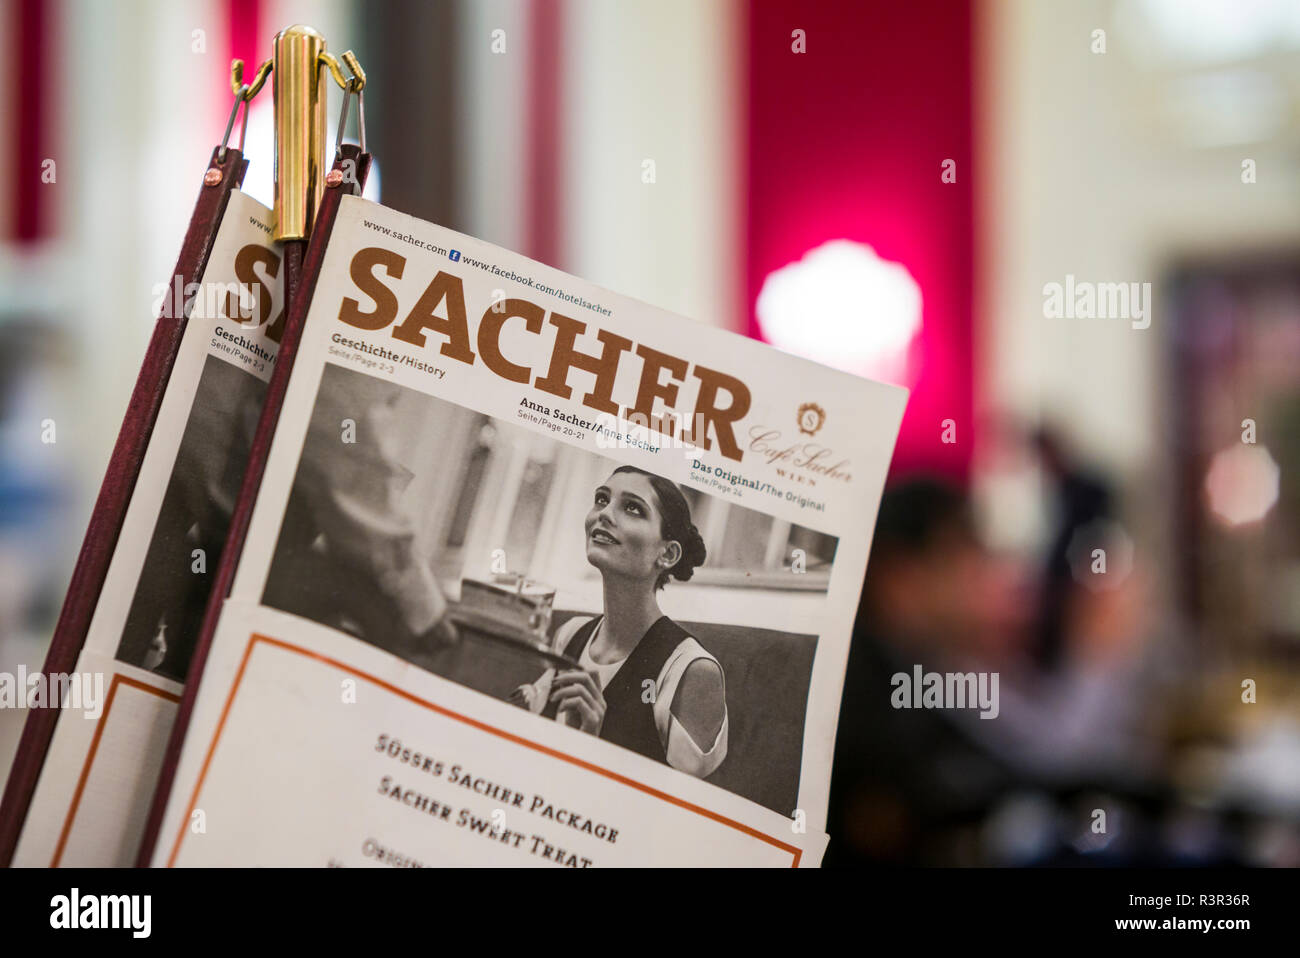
[906, 782]
[916, 785]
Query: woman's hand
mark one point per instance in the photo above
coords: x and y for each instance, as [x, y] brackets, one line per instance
[578, 696]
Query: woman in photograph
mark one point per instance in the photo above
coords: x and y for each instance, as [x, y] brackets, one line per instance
[644, 682]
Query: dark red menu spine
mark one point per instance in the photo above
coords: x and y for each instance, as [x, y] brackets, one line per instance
[220, 179]
[299, 296]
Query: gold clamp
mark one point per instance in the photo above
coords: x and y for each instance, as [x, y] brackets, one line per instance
[355, 85]
[237, 79]
[298, 53]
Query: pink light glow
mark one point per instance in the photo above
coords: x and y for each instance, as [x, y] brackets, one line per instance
[844, 306]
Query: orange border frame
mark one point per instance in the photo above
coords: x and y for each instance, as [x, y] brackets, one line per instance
[255, 638]
[118, 679]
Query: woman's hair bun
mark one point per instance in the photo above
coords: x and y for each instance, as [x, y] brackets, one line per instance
[693, 554]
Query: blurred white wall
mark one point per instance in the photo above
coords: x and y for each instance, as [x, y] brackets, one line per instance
[659, 81]
[1109, 167]
[139, 119]
[493, 165]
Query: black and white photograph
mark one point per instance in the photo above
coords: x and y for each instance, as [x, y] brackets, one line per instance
[583, 589]
[167, 607]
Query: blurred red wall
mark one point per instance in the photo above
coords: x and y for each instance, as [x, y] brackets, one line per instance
[847, 141]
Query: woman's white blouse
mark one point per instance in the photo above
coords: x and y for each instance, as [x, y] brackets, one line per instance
[682, 751]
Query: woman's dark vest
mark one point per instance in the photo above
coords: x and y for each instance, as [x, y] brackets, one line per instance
[629, 720]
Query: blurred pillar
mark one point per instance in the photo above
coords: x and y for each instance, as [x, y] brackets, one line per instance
[409, 49]
[34, 106]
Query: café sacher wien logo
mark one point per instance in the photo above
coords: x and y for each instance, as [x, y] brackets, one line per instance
[811, 418]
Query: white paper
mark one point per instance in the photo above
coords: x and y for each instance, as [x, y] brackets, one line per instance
[408, 459]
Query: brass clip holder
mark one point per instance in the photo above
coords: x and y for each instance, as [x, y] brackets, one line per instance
[298, 54]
